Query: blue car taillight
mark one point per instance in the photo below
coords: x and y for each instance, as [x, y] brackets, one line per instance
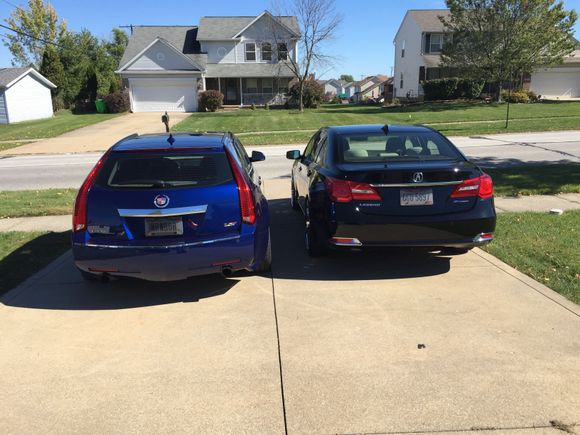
[247, 207]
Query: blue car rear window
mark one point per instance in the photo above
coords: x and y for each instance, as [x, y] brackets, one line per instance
[381, 147]
[165, 170]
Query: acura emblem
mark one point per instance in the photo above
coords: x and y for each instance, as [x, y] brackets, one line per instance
[418, 177]
[161, 201]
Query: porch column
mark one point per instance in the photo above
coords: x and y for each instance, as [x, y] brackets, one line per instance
[241, 93]
[219, 84]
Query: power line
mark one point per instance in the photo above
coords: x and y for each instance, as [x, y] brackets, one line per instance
[20, 32]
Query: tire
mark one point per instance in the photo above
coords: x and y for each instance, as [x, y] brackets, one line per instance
[266, 264]
[293, 197]
[314, 240]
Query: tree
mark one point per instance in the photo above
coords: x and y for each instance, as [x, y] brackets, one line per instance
[51, 68]
[496, 40]
[318, 23]
[41, 22]
[116, 47]
[347, 78]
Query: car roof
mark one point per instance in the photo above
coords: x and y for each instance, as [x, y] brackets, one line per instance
[378, 128]
[180, 140]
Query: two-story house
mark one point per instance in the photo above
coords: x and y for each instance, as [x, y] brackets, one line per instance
[418, 45]
[246, 58]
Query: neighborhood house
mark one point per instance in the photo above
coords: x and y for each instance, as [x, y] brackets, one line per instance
[418, 46]
[245, 58]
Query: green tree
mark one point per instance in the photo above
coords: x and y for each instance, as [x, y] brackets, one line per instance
[347, 78]
[495, 40]
[51, 68]
[41, 22]
[116, 47]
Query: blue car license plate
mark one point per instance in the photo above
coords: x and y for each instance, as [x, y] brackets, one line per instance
[163, 227]
[417, 196]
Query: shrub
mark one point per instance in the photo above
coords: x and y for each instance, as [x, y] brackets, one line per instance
[117, 102]
[81, 107]
[440, 89]
[518, 96]
[470, 88]
[210, 101]
[253, 106]
[312, 93]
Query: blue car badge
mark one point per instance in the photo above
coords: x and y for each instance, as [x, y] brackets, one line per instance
[161, 201]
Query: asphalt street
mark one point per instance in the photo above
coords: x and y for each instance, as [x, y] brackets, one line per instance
[69, 170]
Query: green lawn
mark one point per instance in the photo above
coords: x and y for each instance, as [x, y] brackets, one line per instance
[261, 127]
[36, 202]
[62, 122]
[24, 253]
[536, 180]
[543, 246]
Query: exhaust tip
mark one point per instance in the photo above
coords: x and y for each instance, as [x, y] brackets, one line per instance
[227, 271]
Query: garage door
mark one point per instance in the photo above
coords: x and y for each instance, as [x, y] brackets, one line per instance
[563, 83]
[160, 95]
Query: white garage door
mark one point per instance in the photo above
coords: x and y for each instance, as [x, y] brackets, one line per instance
[557, 82]
[160, 94]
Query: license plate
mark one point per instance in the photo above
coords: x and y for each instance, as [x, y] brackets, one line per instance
[417, 196]
[163, 227]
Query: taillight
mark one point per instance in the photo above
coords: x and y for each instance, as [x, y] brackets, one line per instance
[346, 191]
[80, 208]
[479, 186]
[245, 192]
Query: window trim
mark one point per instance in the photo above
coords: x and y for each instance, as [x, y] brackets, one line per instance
[262, 51]
[246, 51]
[439, 44]
[278, 51]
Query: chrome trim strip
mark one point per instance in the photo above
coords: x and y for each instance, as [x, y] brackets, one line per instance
[435, 183]
[179, 245]
[161, 212]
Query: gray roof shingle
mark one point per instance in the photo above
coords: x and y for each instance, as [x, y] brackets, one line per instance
[9, 74]
[428, 19]
[183, 38]
[220, 28]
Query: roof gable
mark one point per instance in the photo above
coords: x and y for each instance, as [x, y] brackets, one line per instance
[225, 28]
[11, 76]
[160, 55]
[263, 24]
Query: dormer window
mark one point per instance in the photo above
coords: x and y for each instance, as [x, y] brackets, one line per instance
[282, 51]
[266, 51]
[250, 52]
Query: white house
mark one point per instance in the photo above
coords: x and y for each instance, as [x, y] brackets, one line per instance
[245, 58]
[24, 95]
[418, 45]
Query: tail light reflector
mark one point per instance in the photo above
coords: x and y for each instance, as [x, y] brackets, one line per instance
[479, 186]
[346, 191]
[247, 207]
[80, 207]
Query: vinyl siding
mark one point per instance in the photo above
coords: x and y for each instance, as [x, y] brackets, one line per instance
[28, 99]
[160, 57]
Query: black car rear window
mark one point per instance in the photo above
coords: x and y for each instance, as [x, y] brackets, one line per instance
[165, 170]
[384, 147]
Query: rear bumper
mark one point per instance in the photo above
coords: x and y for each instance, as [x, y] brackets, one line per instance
[169, 263]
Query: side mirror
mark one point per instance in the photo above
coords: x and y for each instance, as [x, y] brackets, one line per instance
[293, 155]
[257, 156]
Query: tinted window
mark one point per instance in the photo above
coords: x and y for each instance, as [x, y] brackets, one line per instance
[381, 147]
[153, 170]
[311, 145]
[320, 150]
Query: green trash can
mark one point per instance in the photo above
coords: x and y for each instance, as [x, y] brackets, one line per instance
[101, 106]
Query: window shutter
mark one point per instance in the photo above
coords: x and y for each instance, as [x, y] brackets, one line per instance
[422, 76]
[427, 43]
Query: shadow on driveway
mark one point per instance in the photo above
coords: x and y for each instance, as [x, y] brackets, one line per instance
[292, 262]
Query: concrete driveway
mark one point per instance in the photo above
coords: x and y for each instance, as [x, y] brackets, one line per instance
[100, 136]
[381, 342]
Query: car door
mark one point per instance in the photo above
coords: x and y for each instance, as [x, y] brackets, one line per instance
[302, 168]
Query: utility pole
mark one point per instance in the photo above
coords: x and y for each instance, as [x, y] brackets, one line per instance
[507, 115]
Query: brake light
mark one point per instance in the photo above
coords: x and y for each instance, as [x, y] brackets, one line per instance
[80, 207]
[245, 193]
[479, 186]
[346, 191]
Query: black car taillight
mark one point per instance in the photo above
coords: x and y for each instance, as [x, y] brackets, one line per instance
[481, 186]
[80, 208]
[346, 191]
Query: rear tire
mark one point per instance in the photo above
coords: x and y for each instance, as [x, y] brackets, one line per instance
[266, 264]
[313, 238]
[293, 197]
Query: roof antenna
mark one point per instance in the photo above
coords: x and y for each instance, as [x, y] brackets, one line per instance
[170, 139]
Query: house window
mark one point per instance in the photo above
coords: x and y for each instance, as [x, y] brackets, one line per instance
[266, 51]
[250, 52]
[401, 84]
[267, 86]
[283, 85]
[251, 86]
[403, 48]
[282, 51]
[436, 43]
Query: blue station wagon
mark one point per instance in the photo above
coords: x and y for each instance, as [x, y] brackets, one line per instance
[165, 208]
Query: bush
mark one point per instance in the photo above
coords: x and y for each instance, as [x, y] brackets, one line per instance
[519, 96]
[82, 107]
[210, 101]
[312, 93]
[470, 88]
[440, 89]
[117, 102]
[253, 106]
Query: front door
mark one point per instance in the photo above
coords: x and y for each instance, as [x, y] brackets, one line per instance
[231, 96]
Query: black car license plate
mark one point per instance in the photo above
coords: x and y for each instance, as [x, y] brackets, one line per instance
[417, 196]
[163, 227]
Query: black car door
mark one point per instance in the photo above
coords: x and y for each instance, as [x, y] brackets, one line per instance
[301, 169]
[314, 163]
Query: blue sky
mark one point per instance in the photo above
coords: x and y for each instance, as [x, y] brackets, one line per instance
[363, 44]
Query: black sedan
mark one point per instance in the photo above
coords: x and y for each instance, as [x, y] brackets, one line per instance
[390, 185]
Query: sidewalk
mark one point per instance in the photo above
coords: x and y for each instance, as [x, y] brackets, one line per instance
[536, 203]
